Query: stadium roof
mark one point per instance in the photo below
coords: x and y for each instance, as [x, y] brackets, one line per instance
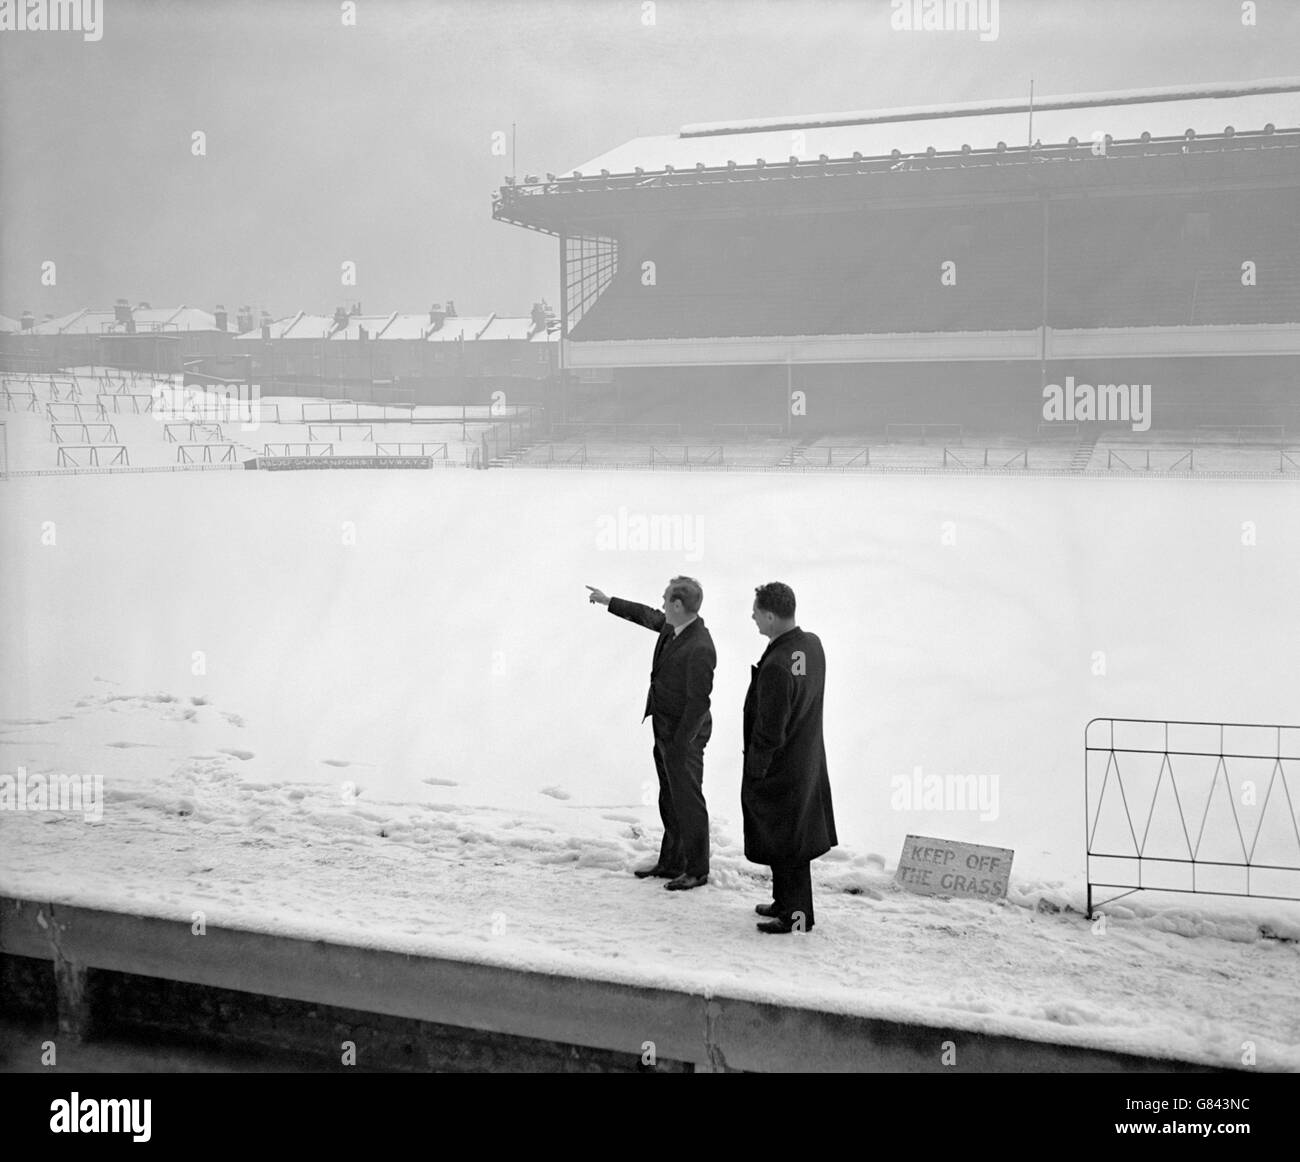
[1124, 115]
[93, 321]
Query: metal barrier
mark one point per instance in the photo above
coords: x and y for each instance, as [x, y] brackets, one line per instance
[904, 433]
[746, 431]
[949, 456]
[363, 432]
[435, 451]
[1241, 433]
[1113, 458]
[298, 450]
[95, 455]
[108, 433]
[1125, 796]
[203, 454]
[667, 455]
[1054, 428]
[640, 432]
[126, 402]
[13, 397]
[194, 433]
[71, 413]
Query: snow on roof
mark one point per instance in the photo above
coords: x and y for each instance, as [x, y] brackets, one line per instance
[409, 325]
[96, 321]
[299, 326]
[508, 328]
[1125, 115]
[465, 327]
[374, 326]
[8, 324]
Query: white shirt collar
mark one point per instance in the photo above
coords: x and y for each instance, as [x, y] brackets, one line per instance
[677, 629]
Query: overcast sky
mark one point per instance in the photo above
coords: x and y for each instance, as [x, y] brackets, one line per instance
[373, 143]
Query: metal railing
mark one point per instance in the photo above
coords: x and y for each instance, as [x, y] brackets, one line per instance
[298, 449]
[680, 455]
[63, 433]
[204, 454]
[436, 451]
[1120, 828]
[92, 455]
[951, 458]
[194, 433]
[908, 433]
[363, 431]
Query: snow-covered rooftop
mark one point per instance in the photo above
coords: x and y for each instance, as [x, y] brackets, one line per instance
[95, 321]
[1124, 115]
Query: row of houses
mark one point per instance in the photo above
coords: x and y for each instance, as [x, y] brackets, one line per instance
[431, 356]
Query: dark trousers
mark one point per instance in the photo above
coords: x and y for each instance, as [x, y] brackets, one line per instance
[792, 892]
[685, 846]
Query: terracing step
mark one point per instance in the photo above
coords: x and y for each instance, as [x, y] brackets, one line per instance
[1083, 452]
[793, 455]
[515, 453]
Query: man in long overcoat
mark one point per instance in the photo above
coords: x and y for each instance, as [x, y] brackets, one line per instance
[785, 792]
[681, 681]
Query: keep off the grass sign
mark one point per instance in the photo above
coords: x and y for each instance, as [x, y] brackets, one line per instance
[944, 867]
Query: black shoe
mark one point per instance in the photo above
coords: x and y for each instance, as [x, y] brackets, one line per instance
[685, 883]
[779, 927]
[766, 909]
[643, 873]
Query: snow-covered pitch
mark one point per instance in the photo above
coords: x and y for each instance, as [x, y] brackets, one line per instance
[377, 708]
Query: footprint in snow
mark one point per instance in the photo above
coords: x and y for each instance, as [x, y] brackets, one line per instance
[441, 782]
[556, 792]
[127, 744]
[234, 752]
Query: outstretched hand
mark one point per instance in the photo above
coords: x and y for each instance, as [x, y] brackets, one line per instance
[596, 597]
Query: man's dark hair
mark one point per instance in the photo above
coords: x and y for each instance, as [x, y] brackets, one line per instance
[775, 597]
[686, 590]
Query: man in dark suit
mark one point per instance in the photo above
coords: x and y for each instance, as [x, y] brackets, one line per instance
[681, 680]
[785, 791]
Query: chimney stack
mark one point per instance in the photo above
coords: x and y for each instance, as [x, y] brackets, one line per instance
[266, 324]
[245, 319]
[451, 309]
[436, 316]
[222, 318]
[340, 320]
[28, 320]
[122, 312]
